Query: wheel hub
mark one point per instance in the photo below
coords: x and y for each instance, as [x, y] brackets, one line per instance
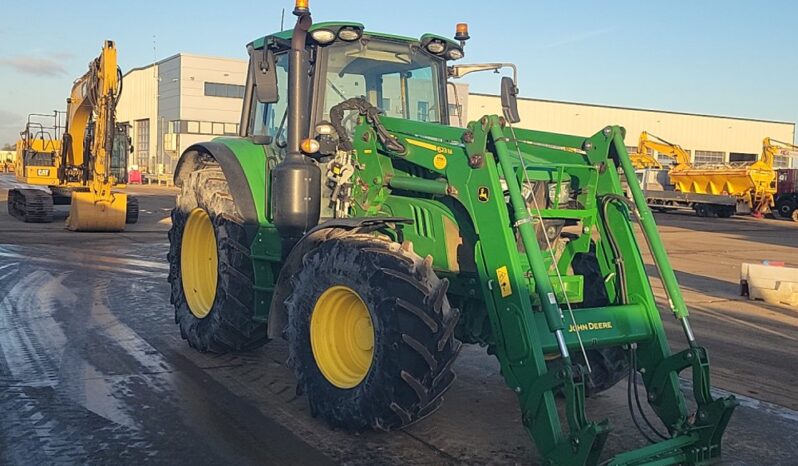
[342, 336]
[199, 263]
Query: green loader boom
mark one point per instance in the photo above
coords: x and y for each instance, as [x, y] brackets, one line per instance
[376, 239]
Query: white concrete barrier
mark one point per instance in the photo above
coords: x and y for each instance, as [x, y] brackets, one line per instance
[773, 284]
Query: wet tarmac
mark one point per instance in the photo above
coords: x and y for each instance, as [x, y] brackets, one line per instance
[93, 370]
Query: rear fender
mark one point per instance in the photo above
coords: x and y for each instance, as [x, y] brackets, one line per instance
[244, 166]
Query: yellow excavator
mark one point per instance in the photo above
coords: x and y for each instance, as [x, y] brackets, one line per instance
[753, 184]
[647, 143]
[772, 148]
[86, 164]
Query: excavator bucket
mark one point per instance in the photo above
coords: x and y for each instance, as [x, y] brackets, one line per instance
[88, 213]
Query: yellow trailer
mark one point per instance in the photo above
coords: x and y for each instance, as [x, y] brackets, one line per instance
[754, 184]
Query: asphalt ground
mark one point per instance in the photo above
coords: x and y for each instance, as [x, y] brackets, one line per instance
[93, 369]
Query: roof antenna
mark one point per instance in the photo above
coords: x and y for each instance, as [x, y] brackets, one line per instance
[282, 19]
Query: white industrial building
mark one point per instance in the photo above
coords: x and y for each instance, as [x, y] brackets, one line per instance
[709, 139]
[178, 101]
[187, 98]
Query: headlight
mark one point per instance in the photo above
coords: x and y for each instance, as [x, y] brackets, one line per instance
[455, 54]
[324, 129]
[436, 47]
[349, 34]
[323, 36]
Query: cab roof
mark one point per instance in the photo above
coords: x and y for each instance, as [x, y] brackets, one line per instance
[286, 34]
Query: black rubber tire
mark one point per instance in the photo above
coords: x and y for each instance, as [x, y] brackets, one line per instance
[702, 210]
[132, 211]
[725, 212]
[608, 365]
[785, 208]
[414, 345]
[229, 325]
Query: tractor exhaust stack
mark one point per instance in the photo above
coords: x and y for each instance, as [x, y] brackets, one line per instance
[296, 181]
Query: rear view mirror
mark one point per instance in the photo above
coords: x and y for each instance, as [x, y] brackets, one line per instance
[509, 99]
[264, 69]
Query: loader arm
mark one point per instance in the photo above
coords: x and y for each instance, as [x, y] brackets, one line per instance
[488, 170]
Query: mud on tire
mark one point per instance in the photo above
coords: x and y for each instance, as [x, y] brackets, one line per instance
[229, 325]
[414, 345]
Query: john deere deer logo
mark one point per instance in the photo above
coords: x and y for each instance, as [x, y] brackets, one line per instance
[483, 194]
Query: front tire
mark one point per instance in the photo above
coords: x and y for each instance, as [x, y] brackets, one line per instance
[393, 311]
[210, 268]
[609, 365]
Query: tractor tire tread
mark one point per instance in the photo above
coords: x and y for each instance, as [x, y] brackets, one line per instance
[229, 326]
[409, 380]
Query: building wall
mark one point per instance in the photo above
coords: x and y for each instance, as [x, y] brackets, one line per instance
[195, 72]
[171, 96]
[692, 132]
[139, 102]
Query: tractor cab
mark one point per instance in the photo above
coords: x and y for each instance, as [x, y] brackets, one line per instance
[403, 77]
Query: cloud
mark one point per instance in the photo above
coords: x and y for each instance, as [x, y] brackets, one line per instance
[10, 126]
[37, 66]
[574, 38]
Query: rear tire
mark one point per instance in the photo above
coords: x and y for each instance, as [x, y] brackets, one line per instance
[413, 345]
[227, 325]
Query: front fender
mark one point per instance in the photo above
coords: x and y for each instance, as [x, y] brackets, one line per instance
[278, 314]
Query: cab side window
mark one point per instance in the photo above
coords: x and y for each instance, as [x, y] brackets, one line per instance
[270, 119]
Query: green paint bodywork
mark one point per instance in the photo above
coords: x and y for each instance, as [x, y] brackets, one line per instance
[464, 190]
[471, 217]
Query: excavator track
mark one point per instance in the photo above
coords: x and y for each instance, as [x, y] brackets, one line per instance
[30, 205]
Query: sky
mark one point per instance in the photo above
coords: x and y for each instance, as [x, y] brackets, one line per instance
[733, 58]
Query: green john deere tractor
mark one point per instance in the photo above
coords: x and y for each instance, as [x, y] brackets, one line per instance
[349, 218]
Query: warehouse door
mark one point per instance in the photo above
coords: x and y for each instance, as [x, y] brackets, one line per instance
[142, 145]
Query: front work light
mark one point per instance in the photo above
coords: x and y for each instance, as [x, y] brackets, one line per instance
[436, 47]
[323, 36]
[349, 34]
[454, 54]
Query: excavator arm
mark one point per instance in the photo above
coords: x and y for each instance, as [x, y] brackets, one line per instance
[771, 148]
[649, 141]
[88, 144]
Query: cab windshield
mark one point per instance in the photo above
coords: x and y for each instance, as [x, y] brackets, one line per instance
[397, 78]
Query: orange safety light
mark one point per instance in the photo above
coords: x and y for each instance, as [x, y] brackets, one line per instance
[461, 32]
[309, 146]
[301, 5]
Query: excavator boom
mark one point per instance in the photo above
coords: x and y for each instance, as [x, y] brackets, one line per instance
[93, 103]
[649, 141]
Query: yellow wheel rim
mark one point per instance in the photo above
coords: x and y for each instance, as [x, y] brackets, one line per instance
[199, 263]
[342, 336]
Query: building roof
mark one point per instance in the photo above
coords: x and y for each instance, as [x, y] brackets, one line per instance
[182, 54]
[638, 109]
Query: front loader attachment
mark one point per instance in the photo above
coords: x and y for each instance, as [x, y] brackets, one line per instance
[683, 437]
[90, 212]
[534, 296]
